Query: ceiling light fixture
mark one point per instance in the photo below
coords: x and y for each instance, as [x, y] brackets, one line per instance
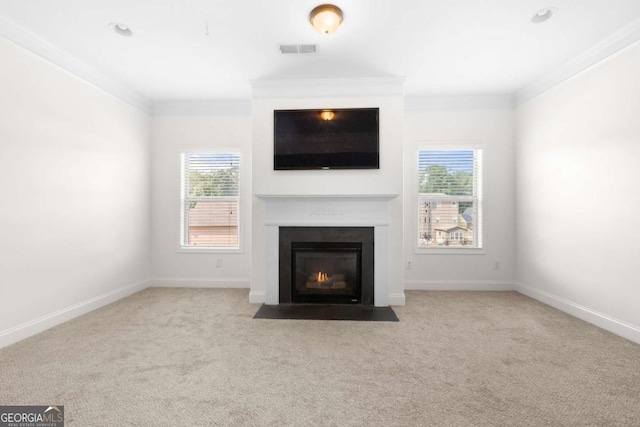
[121, 29]
[326, 18]
[544, 15]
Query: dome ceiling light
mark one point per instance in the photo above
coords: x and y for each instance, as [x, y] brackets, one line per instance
[326, 18]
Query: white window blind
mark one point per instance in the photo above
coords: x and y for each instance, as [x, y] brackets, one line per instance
[210, 200]
[450, 186]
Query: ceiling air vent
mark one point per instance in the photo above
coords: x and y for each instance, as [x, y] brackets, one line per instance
[298, 48]
[307, 48]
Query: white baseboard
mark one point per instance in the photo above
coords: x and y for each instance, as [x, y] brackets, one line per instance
[33, 327]
[611, 324]
[397, 299]
[257, 297]
[170, 282]
[458, 285]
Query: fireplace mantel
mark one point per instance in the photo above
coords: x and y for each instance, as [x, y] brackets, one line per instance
[327, 196]
[327, 209]
[318, 210]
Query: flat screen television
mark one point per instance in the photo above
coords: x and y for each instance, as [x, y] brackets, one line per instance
[336, 138]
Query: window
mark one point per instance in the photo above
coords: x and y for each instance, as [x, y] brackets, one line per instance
[210, 200]
[450, 183]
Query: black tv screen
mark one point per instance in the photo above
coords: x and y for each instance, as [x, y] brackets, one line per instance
[336, 138]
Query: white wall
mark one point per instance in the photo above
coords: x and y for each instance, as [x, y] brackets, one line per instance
[386, 180]
[578, 186]
[76, 187]
[491, 128]
[171, 134]
[74, 195]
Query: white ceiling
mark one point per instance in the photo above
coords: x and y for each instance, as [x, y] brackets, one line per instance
[441, 47]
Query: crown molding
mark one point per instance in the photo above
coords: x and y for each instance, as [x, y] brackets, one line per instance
[332, 87]
[422, 103]
[602, 50]
[218, 107]
[321, 88]
[51, 53]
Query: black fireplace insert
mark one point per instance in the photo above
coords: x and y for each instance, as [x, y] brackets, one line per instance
[326, 265]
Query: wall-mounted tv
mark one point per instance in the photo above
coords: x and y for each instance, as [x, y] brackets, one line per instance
[331, 138]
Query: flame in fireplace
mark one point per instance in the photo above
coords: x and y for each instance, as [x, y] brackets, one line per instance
[322, 277]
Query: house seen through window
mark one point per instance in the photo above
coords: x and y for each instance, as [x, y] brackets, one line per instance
[210, 200]
[449, 187]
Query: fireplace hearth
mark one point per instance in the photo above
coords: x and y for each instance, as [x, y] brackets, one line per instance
[326, 265]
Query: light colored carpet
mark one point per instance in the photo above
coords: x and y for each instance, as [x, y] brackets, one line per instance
[195, 357]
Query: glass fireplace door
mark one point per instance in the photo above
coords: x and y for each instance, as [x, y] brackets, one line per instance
[326, 272]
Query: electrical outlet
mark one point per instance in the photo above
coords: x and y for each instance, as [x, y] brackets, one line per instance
[496, 265]
[218, 262]
[409, 265]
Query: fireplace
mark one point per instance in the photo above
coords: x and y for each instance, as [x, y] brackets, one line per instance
[326, 273]
[326, 265]
[277, 212]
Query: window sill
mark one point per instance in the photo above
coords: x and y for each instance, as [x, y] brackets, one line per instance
[206, 250]
[449, 251]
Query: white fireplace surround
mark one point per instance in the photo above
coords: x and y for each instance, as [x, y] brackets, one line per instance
[361, 210]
